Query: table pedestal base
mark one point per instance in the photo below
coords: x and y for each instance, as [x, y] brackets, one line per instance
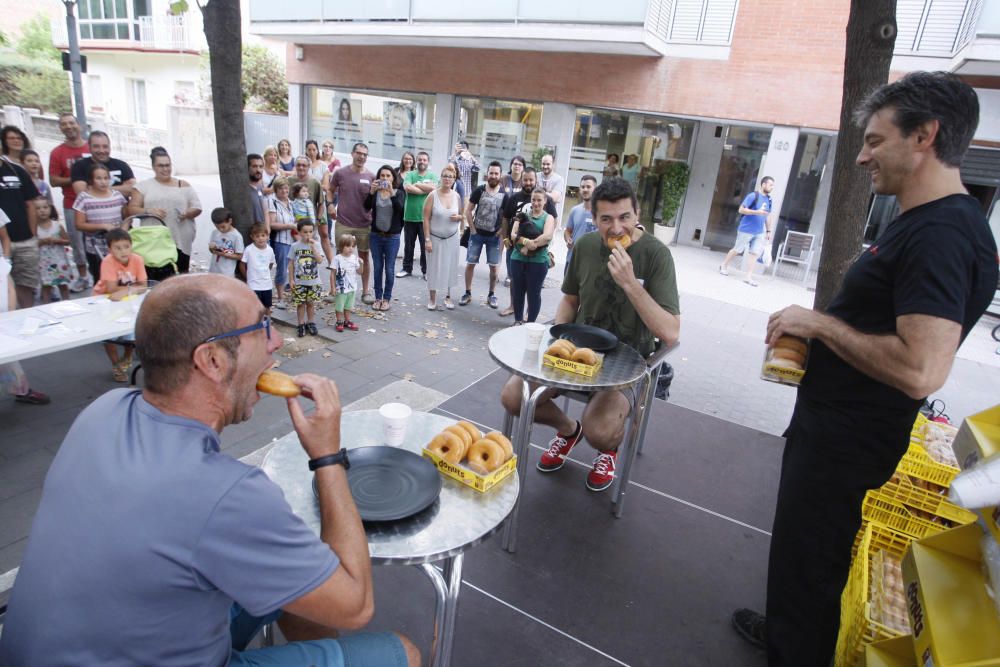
[447, 586]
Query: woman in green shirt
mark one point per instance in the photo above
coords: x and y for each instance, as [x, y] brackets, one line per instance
[530, 258]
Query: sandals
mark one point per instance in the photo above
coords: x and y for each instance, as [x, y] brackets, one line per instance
[118, 373]
[33, 398]
[506, 312]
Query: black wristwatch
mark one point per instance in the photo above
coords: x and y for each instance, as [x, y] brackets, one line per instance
[333, 459]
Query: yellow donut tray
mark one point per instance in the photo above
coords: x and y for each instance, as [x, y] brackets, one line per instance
[470, 478]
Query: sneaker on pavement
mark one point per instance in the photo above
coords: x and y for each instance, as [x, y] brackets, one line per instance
[281, 305]
[351, 326]
[466, 299]
[559, 448]
[403, 274]
[603, 473]
[311, 328]
[340, 327]
[33, 398]
[751, 282]
[723, 270]
[751, 626]
[301, 330]
[78, 286]
[492, 301]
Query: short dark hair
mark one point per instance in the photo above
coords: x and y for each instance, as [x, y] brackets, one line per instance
[118, 234]
[766, 179]
[423, 153]
[495, 163]
[175, 318]
[588, 177]
[529, 170]
[920, 97]
[157, 151]
[297, 188]
[612, 190]
[221, 215]
[304, 222]
[613, 155]
[517, 158]
[360, 143]
[98, 133]
[12, 128]
[254, 156]
[257, 228]
[464, 144]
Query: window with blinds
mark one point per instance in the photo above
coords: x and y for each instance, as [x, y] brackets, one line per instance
[692, 21]
[935, 27]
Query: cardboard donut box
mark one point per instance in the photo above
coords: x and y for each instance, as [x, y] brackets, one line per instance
[978, 439]
[574, 366]
[773, 372]
[460, 473]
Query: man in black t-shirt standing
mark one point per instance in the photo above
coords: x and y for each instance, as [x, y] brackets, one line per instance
[520, 202]
[122, 178]
[885, 343]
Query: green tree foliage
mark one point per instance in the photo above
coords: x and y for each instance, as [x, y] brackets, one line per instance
[36, 40]
[263, 81]
[47, 89]
[264, 84]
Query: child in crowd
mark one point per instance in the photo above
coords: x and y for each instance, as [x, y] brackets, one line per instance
[302, 205]
[98, 210]
[303, 275]
[257, 262]
[226, 243]
[33, 165]
[53, 263]
[343, 280]
[119, 269]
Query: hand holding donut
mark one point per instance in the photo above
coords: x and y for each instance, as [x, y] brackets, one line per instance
[319, 432]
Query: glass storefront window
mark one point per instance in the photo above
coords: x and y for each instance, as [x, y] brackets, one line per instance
[644, 143]
[499, 129]
[390, 123]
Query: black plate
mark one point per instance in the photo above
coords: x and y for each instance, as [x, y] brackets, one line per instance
[389, 483]
[584, 335]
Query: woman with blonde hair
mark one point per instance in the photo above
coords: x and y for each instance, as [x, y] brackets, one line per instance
[442, 215]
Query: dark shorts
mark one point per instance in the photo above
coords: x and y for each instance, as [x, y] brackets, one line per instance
[264, 296]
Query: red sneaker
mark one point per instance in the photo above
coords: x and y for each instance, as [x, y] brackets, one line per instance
[603, 474]
[350, 325]
[340, 326]
[559, 448]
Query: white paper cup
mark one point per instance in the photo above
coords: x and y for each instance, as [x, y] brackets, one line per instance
[535, 333]
[394, 419]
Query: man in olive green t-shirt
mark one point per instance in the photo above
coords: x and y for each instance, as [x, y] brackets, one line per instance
[630, 292]
[418, 183]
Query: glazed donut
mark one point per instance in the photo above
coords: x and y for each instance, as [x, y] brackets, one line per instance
[462, 435]
[277, 383]
[786, 363]
[485, 456]
[786, 353]
[501, 439]
[448, 446]
[792, 343]
[585, 355]
[563, 349]
[624, 239]
[472, 430]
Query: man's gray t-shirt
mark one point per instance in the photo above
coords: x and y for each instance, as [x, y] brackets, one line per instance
[145, 536]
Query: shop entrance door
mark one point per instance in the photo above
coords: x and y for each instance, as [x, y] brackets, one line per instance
[742, 156]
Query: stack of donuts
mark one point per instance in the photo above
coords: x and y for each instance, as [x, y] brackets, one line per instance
[564, 349]
[464, 442]
[789, 352]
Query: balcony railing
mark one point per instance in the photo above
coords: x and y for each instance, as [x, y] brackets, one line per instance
[154, 33]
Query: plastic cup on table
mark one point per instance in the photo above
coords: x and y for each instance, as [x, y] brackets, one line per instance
[535, 332]
[394, 419]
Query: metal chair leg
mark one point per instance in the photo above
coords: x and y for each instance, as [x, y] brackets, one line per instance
[521, 441]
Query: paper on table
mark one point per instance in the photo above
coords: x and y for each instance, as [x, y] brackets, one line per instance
[124, 320]
[29, 326]
[62, 309]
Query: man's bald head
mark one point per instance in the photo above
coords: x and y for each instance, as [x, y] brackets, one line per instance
[177, 317]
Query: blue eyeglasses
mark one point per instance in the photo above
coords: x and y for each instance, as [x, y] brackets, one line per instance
[263, 324]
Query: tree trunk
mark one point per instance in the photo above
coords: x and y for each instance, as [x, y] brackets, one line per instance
[871, 36]
[225, 55]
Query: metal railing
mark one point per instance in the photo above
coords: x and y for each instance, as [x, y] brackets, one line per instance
[165, 33]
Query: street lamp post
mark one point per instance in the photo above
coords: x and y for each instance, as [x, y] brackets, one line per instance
[74, 63]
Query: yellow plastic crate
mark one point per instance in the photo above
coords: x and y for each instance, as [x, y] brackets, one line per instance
[856, 625]
[903, 491]
[886, 512]
[916, 462]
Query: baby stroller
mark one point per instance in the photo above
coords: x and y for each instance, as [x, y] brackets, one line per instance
[152, 241]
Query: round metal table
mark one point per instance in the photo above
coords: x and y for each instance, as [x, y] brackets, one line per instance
[460, 519]
[622, 368]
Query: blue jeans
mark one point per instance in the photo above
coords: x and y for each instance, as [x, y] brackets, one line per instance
[476, 244]
[384, 250]
[526, 280]
[281, 263]
[366, 649]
